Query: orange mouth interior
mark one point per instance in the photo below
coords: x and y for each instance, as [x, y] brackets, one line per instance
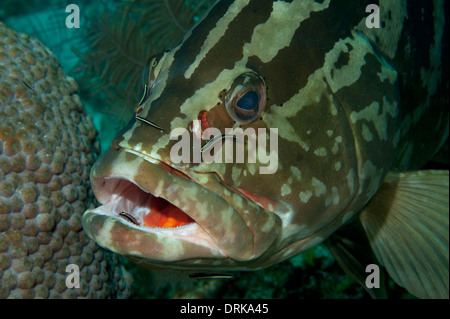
[165, 215]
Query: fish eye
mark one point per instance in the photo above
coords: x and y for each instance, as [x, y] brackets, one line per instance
[249, 101]
[246, 99]
[149, 75]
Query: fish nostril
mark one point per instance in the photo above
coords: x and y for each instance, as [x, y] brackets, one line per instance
[202, 116]
[200, 125]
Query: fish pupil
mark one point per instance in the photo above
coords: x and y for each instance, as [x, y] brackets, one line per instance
[248, 101]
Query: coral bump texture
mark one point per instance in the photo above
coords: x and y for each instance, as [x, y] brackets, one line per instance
[47, 147]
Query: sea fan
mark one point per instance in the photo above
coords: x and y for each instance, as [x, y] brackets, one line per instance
[123, 41]
[48, 25]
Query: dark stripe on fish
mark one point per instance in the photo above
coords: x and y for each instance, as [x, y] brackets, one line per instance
[313, 43]
[255, 13]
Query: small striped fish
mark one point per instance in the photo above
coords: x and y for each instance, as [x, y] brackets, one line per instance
[355, 112]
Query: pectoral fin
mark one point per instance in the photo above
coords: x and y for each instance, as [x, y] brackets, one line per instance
[350, 247]
[407, 223]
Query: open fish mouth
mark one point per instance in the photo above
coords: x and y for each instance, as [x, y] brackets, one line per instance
[137, 213]
[139, 207]
[155, 214]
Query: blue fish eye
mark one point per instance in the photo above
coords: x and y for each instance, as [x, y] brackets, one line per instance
[246, 98]
[249, 101]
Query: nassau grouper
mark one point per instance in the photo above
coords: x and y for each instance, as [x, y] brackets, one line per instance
[277, 125]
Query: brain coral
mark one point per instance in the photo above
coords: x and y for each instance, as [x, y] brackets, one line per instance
[46, 152]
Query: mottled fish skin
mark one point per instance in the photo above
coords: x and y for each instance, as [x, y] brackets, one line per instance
[350, 103]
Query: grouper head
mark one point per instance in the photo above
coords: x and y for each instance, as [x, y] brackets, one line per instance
[317, 109]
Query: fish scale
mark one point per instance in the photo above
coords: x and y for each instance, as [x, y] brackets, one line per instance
[348, 106]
